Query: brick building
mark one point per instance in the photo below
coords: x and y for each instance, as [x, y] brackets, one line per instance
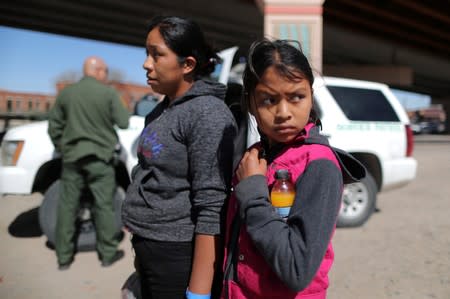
[21, 102]
[129, 92]
[26, 103]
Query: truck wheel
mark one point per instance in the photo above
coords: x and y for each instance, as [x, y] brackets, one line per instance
[358, 202]
[85, 235]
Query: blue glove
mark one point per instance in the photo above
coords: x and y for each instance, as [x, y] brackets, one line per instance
[190, 295]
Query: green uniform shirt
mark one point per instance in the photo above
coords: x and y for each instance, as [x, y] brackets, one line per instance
[81, 123]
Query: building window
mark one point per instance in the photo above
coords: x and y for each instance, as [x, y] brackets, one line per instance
[18, 105]
[30, 104]
[9, 104]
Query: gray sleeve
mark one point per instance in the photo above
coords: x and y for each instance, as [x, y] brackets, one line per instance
[294, 249]
[210, 154]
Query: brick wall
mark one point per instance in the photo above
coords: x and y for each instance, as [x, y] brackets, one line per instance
[21, 102]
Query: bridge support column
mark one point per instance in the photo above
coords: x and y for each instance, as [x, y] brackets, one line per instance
[299, 20]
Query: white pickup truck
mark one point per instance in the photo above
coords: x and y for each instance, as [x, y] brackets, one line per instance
[364, 118]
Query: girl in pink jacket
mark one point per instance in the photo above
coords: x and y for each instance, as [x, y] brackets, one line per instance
[266, 255]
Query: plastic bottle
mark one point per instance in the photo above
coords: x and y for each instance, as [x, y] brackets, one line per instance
[283, 192]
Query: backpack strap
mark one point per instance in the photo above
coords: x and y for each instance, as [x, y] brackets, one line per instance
[230, 272]
[352, 170]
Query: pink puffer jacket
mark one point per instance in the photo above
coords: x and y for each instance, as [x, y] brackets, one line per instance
[255, 277]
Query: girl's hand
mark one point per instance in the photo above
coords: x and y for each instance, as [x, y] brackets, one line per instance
[251, 164]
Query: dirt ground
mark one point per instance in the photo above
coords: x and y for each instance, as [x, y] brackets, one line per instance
[402, 252]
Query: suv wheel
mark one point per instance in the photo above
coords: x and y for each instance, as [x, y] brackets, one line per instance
[85, 229]
[358, 202]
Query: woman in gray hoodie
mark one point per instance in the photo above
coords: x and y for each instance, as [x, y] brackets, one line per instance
[173, 206]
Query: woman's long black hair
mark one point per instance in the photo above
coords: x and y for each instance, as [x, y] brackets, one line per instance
[185, 38]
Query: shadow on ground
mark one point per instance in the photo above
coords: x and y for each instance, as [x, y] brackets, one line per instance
[26, 225]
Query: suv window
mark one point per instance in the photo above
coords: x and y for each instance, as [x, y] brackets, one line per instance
[363, 104]
[145, 105]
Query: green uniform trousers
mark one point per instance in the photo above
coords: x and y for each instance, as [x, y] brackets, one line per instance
[99, 177]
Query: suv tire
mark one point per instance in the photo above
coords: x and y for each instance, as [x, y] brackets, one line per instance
[358, 202]
[85, 235]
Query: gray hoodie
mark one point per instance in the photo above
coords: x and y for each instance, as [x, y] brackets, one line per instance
[185, 161]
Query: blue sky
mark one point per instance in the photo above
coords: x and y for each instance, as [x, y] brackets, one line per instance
[31, 61]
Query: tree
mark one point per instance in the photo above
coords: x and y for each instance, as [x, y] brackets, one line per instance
[73, 76]
[68, 76]
[116, 75]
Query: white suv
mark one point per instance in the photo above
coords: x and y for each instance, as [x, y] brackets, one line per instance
[366, 119]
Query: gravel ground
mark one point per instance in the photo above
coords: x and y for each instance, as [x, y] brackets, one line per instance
[402, 252]
[28, 268]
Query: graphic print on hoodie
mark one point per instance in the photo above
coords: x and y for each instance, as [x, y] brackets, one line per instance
[149, 146]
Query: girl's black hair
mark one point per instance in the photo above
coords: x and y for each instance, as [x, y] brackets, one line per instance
[185, 38]
[288, 60]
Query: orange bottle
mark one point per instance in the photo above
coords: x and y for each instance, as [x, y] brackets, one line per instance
[283, 192]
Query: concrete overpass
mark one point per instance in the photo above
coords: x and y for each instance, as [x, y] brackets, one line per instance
[405, 43]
